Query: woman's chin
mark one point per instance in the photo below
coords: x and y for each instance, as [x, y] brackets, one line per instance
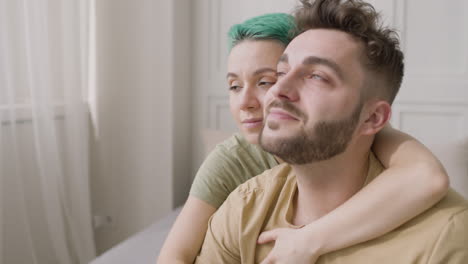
[251, 136]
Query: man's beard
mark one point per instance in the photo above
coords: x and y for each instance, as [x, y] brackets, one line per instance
[324, 141]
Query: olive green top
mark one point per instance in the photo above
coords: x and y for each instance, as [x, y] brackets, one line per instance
[230, 164]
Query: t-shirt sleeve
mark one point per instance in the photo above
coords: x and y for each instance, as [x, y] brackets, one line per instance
[452, 245]
[221, 244]
[218, 176]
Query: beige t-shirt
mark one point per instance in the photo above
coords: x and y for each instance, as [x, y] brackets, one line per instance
[440, 235]
[230, 164]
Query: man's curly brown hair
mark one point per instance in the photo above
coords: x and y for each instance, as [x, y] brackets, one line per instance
[359, 19]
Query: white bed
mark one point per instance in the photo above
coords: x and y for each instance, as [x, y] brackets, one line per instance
[142, 248]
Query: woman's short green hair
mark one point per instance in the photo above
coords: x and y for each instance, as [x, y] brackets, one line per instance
[275, 26]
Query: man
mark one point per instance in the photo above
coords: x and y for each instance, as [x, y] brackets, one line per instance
[336, 82]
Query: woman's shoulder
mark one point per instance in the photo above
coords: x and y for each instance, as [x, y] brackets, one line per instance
[228, 165]
[234, 142]
[237, 145]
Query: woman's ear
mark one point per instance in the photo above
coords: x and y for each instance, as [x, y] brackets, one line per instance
[378, 113]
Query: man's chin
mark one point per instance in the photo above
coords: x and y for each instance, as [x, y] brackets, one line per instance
[277, 134]
[269, 140]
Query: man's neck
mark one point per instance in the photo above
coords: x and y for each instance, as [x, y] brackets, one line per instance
[323, 186]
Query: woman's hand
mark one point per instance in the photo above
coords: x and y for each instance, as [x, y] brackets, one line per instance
[291, 246]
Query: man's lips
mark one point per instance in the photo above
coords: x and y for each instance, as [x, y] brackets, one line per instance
[280, 114]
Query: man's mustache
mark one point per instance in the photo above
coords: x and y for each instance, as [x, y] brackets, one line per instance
[287, 106]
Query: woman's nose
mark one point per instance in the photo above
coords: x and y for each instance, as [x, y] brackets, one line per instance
[249, 99]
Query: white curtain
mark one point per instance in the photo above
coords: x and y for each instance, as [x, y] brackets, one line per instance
[45, 209]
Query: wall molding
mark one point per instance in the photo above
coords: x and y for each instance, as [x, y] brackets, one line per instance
[458, 110]
[215, 104]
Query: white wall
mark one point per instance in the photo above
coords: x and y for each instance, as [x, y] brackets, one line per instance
[140, 153]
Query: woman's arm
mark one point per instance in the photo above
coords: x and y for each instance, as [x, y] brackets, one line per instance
[414, 181]
[221, 172]
[187, 234]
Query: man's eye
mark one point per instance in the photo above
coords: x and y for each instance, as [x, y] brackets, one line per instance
[317, 77]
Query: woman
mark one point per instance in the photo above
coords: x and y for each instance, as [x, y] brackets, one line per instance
[384, 204]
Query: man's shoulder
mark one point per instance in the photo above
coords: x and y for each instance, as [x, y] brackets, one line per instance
[427, 228]
[261, 189]
[440, 229]
[441, 214]
[448, 223]
[267, 180]
[450, 206]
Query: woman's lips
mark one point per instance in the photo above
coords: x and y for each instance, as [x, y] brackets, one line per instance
[252, 122]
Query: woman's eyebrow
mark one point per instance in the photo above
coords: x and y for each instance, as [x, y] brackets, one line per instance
[257, 72]
[230, 74]
[283, 58]
[263, 70]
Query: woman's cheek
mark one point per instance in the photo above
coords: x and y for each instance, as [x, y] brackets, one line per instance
[262, 97]
[234, 107]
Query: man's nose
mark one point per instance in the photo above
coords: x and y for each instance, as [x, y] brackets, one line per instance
[286, 88]
[249, 99]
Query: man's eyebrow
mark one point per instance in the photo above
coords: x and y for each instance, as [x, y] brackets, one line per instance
[313, 60]
[283, 58]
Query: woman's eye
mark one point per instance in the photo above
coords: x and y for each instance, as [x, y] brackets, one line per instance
[266, 84]
[234, 88]
[280, 74]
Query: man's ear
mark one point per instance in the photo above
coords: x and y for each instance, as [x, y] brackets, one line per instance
[378, 113]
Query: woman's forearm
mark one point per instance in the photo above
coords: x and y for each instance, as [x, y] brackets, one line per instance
[395, 148]
[186, 236]
[414, 181]
[380, 207]
[172, 261]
